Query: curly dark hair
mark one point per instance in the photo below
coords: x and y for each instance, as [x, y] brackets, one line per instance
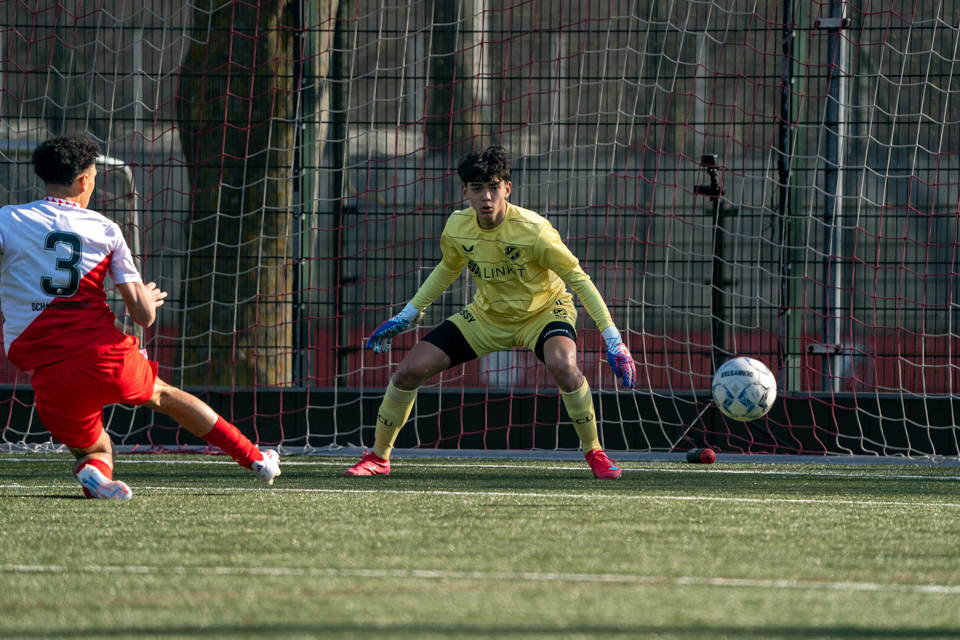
[60, 160]
[485, 166]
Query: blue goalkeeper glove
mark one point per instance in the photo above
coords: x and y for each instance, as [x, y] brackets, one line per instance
[386, 332]
[619, 357]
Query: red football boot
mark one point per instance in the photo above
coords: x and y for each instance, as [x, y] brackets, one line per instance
[602, 466]
[370, 465]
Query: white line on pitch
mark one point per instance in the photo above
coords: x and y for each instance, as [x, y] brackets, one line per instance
[287, 462]
[520, 494]
[501, 576]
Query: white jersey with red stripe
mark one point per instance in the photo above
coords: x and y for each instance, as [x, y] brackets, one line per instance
[56, 255]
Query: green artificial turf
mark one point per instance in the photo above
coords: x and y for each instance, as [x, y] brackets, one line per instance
[471, 549]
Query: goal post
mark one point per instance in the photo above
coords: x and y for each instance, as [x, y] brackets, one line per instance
[295, 162]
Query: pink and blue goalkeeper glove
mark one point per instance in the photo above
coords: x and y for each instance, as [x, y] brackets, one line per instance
[386, 332]
[619, 357]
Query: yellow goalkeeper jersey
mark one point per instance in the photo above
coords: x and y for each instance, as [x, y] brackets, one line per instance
[522, 267]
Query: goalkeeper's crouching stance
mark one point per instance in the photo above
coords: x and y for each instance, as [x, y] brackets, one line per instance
[522, 269]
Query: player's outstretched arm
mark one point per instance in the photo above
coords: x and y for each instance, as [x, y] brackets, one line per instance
[619, 357]
[142, 301]
[386, 332]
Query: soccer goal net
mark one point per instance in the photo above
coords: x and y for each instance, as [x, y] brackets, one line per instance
[767, 178]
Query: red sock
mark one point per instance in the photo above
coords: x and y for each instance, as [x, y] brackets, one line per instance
[234, 444]
[98, 464]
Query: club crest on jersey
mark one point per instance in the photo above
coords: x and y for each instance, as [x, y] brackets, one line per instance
[468, 249]
[512, 252]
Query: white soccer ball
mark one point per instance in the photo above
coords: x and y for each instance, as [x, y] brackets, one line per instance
[744, 389]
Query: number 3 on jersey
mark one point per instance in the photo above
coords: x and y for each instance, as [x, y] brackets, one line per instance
[69, 265]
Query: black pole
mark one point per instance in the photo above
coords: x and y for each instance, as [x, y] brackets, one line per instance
[717, 312]
[297, 278]
[714, 192]
[783, 166]
[835, 119]
[339, 72]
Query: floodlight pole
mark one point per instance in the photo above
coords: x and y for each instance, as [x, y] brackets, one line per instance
[835, 132]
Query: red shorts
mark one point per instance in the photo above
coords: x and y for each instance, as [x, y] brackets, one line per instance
[70, 394]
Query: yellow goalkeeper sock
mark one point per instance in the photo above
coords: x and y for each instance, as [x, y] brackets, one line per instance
[579, 404]
[394, 411]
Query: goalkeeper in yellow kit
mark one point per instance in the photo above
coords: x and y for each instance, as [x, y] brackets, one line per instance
[522, 269]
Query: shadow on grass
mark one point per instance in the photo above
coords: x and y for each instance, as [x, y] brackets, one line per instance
[457, 630]
[656, 482]
[46, 496]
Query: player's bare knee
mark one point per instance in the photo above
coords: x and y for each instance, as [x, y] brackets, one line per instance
[407, 378]
[569, 380]
[161, 392]
[566, 373]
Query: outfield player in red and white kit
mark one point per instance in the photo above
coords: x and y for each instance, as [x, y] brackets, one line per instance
[56, 254]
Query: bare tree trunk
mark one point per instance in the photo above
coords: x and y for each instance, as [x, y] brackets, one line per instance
[454, 116]
[236, 110]
[320, 66]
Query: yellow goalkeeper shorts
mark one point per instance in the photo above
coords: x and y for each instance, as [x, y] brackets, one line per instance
[486, 335]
